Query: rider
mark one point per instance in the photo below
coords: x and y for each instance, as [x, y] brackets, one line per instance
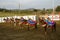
[31, 21]
[45, 24]
[50, 22]
[22, 19]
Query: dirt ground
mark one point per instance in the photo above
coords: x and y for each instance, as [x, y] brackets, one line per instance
[9, 32]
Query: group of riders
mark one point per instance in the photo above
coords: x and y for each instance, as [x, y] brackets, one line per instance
[45, 23]
[48, 23]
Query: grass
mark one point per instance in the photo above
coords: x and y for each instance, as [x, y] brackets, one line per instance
[5, 14]
[10, 32]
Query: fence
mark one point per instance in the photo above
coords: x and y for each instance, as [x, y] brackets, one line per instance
[33, 17]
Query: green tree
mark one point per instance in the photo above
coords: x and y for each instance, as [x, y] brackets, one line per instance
[58, 9]
[43, 11]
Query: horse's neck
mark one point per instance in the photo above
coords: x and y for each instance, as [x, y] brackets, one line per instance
[42, 21]
[25, 20]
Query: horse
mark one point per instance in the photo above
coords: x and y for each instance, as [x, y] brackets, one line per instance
[52, 25]
[45, 24]
[7, 20]
[27, 22]
[32, 23]
[22, 23]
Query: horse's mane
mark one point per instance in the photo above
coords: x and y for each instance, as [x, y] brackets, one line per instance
[41, 21]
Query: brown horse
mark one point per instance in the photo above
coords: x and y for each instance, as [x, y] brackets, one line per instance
[32, 23]
[45, 24]
[25, 22]
[7, 20]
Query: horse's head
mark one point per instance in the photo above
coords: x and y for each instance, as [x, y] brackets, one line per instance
[4, 19]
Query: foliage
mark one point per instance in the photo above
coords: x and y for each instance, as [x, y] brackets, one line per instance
[58, 9]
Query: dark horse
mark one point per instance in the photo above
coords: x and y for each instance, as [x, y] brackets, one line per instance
[25, 22]
[45, 24]
[32, 23]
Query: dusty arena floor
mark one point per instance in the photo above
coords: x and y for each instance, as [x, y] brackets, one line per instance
[9, 32]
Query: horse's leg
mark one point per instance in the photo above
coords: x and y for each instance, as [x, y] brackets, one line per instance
[55, 27]
[21, 26]
[45, 28]
[52, 27]
[14, 23]
[36, 26]
[28, 27]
